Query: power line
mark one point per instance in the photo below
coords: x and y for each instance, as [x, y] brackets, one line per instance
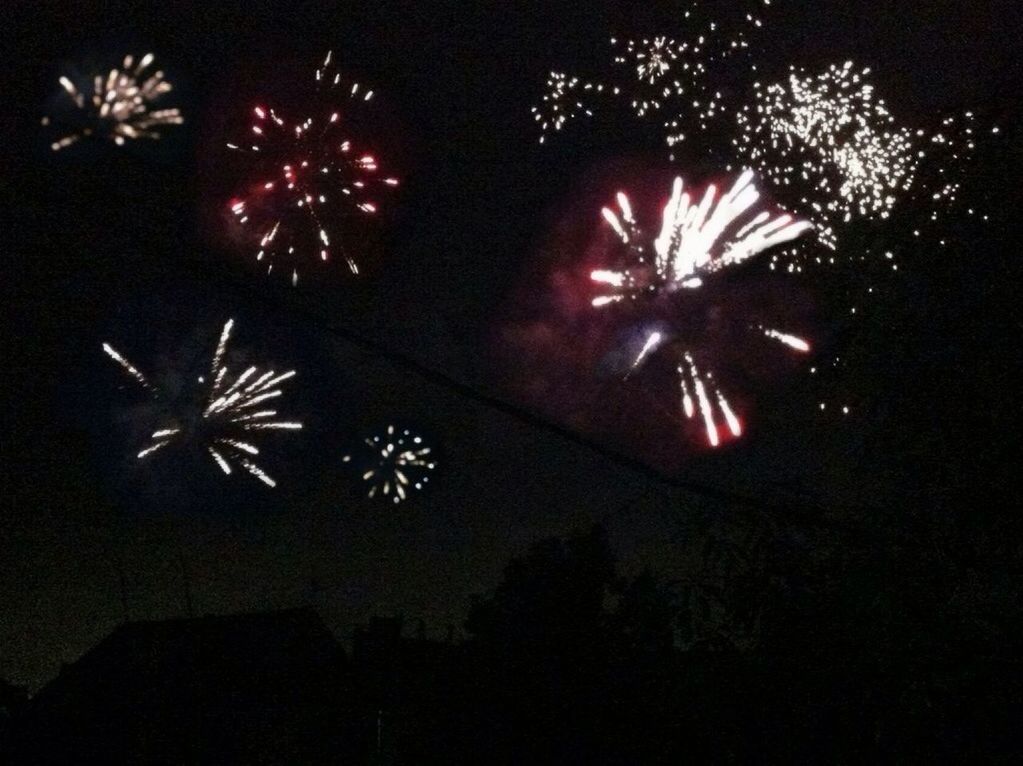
[407, 362]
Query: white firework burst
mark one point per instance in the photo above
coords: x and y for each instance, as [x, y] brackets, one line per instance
[654, 58]
[830, 144]
[565, 100]
[696, 241]
[668, 71]
[118, 106]
[659, 75]
[227, 411]
[395, 463]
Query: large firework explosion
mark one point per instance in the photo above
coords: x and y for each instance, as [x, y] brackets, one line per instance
[394, 464]
[662, 77]
[116, 107]
[220, 415]
[698, 241]
[826, 146]
[309, 179]
[831, 149]
[830, 145]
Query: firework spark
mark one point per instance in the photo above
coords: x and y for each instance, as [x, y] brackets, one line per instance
[565, 100]
[117, 107]
[830, 141]
[395, 464]
[223, 415]
[660, 75]
[311, 178]
[692, 242]
[669, 72]
[697, 240]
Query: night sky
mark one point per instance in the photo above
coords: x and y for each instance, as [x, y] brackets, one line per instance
[121, 245]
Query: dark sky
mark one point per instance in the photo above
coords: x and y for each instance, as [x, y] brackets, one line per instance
[108, 245]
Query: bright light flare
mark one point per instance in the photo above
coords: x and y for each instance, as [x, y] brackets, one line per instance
[652, 342]
[711, 402]
[792, 341]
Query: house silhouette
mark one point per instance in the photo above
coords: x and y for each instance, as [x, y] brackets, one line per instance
[273, 687]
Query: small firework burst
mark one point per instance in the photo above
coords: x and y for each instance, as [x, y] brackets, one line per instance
[654, 58]
[669, 72]
[311, 177]
[827, 142]
[697, 241]
[116, 107]
[565, 100]
[660, 75]
[394, 464]
[221, 415]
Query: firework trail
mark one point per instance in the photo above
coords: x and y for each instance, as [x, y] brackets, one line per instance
[700, 237]
[395, 464]
[116, 107]
[827, 139]
[660, 76]
[310, 178]
[224, 414]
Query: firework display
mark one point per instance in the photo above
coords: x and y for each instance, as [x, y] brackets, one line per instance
[659, 293]
[823, 144]
[697, 240]
[828, 141]
[661, 77]
[310, 179]
[115, 107]
[394, 464]
[221, 415]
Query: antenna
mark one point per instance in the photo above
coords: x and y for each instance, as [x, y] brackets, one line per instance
[185, 584]
[122, 579]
